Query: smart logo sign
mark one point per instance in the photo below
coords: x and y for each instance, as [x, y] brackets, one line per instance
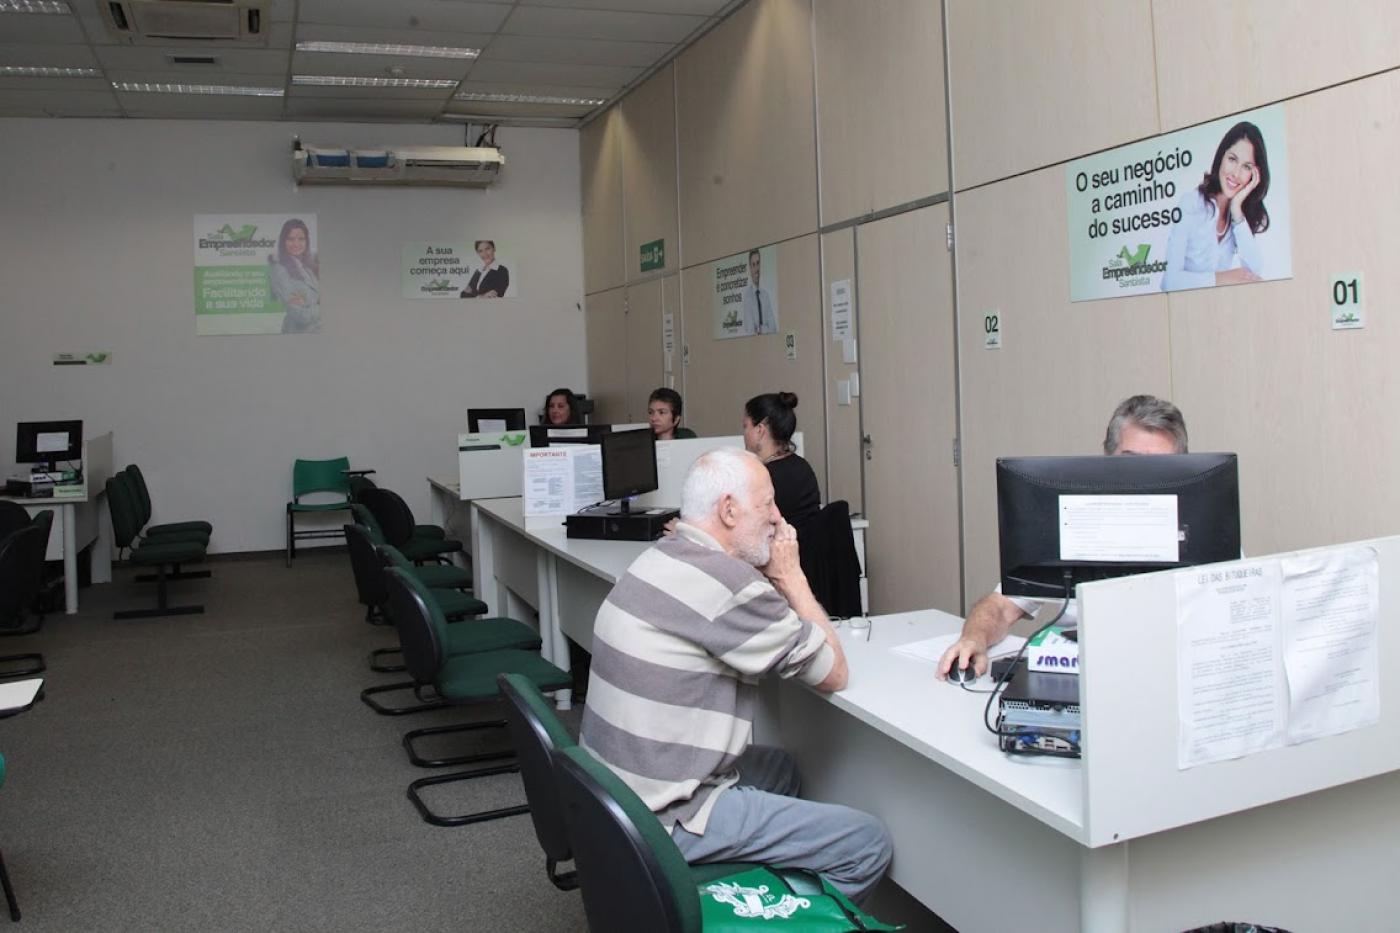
[1124, 207]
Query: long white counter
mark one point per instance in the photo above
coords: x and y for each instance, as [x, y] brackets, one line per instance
[1302, 837]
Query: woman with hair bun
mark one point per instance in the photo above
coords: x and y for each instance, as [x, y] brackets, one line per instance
[769, 422]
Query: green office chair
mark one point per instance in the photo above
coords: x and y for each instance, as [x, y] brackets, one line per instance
[399, 528]
[4, 874]
[313, 476]
[537, 734]
[466, 679]
[196, 532]
[151, 552]
[437, 576]
[21, 578]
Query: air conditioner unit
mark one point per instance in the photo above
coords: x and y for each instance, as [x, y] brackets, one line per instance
[163, 21]
[460, 166]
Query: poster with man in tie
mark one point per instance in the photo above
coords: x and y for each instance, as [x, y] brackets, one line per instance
[746, 288]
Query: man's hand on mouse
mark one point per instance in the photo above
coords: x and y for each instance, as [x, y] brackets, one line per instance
[965, 652]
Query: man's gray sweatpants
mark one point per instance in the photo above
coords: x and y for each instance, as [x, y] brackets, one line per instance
[762, 820]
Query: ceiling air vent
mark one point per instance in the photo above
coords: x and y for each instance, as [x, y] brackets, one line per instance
[157, 21]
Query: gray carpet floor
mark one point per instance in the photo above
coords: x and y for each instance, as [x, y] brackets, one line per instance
[219, 772]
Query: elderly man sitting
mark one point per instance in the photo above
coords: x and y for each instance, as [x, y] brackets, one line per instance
[678, 649]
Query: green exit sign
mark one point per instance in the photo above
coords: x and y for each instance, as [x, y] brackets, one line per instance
[653, 255]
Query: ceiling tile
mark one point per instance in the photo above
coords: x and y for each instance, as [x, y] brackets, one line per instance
[691, 7]
[600, 24]
[325, 108]
[60, 56]
[327, 63]
[597, 76]
[39, 27]
[464, 40]
[201, 106]
[58, 104]
[57, 85]
[573, 51]
[371, 93]
[488, 109]
[156, 59]
[449, 15]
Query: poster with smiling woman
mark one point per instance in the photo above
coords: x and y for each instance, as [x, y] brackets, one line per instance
[1198, 208]
[256, 274]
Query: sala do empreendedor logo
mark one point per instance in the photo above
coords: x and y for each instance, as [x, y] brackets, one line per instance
[439, 286]
[1132, 268]
[241, 242]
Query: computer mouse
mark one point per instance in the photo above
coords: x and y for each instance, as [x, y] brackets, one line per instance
[962, 675]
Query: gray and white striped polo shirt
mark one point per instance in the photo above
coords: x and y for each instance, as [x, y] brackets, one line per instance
[678, 648]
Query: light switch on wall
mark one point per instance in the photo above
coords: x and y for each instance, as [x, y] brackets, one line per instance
[843, 392]
[855, 385]
[848, 350]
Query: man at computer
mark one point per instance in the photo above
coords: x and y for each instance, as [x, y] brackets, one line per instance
[1142, 424]
[678, 648]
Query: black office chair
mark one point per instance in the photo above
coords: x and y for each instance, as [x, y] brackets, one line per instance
[827, 548]
[21, 578]
[537, 734]
[463, 679]
[13, 517]
[396, 523]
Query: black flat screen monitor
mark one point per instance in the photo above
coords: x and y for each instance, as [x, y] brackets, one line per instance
[1100, 517]
[48, 442]
[514, 418]
[629, 464]
[546, 435]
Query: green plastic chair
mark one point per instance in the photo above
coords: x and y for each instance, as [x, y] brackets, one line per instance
[437, 576]
[460, 680]
[312, 476]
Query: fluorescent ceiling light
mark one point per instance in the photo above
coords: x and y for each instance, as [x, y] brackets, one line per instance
[359, 81]
[531, 99]
[47, 71]
[386, 48]
[222, 89]
[57, 7]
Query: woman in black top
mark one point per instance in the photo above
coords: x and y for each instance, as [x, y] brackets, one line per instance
[769, 421]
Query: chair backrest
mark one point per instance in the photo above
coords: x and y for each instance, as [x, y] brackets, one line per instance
[536, 733]
[121, 502]
[632, 875]
[366, 520]
[358, 485]
[310, 476]
[367, 567]
[13, 517]
[43, 520]
[827, 549]
[393, 514]
[21, 572]
[420, 623]
[141, 492]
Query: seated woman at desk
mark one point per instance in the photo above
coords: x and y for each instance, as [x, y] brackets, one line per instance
[769, 421]
[561, 407]
[664, 415]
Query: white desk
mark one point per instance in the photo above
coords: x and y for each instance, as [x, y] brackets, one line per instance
[1305, 837]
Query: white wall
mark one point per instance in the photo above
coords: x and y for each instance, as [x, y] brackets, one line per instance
[96, 254]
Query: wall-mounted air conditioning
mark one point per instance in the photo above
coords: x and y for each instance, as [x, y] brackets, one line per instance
[464, 166]
[151, 22]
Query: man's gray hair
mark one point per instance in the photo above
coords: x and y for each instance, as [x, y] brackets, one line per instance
[1149, 413]
[723, 471]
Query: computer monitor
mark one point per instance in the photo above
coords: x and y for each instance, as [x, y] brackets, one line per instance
[48, 442]
[496, 419]
[629, 464]
[1100, 517]
[545, 435]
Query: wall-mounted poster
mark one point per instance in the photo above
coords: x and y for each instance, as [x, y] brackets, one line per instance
[256, 274]
[746, 289]
[1201, 207]
[458, 270]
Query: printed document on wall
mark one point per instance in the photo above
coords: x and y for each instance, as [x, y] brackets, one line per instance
[1231, 697]
[1331, 606]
